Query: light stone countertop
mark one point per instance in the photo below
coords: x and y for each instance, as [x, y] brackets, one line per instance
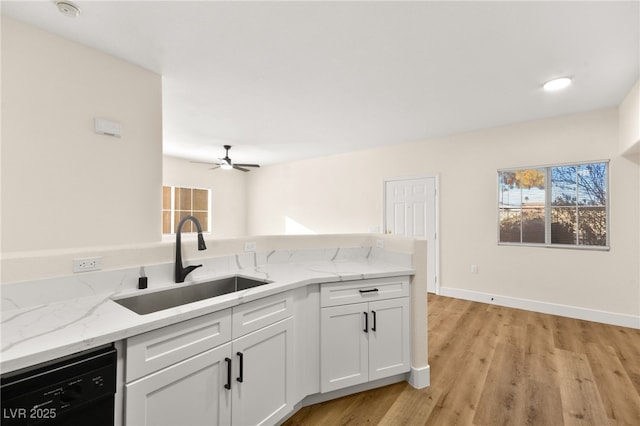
[41, 332]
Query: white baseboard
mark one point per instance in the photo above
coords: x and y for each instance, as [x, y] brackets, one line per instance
[420, 378]
[612, 318]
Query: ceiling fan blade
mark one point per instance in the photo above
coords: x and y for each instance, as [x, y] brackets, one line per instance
[226, 161]
[205, 162]
[247, 165]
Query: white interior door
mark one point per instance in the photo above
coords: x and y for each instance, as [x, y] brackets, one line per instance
[410, 211]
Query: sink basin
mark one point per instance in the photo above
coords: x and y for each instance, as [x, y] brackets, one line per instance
[147, 303]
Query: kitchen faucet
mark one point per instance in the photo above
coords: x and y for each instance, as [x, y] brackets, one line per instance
[180, 271]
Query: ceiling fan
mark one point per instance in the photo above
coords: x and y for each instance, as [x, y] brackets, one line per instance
[226, 163]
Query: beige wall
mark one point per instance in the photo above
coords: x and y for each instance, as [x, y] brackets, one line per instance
[630, 121]
[63, 186]
[344, 194]
[334, 194]
[228, 193]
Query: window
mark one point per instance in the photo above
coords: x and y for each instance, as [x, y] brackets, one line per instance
[178, 202]
[563, 205]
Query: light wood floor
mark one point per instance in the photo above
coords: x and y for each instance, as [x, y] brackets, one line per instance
[499, 366]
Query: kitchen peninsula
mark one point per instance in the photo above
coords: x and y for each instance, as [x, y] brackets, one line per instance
[53, 317]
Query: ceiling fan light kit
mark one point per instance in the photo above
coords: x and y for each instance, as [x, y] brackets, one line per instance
[225, 163]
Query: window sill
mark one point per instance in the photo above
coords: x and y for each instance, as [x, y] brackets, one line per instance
[557, 246]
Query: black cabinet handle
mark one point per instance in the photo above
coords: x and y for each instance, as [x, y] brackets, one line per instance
[228, 385]
[371, 290]
[241, 356]
[374, 321]
[366, 322]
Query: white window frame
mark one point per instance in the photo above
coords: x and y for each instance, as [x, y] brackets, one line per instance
[548, 207]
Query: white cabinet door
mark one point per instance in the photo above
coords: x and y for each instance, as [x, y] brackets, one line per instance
[189, 393]
[389, 338]
[343, 346]
[361, 342]
[263, 375]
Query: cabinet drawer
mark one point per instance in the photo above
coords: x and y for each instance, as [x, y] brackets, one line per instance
[260, 313]
[160, 348]
[341, 293]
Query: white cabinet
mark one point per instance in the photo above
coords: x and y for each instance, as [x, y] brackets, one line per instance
[176, 377]
[263, 378]
[389, 345]
[363, 341]
[263, 362]
[344, 347]
[259, 313]
[251, 364]
[342, 293]
[165, 346]
[189, 393]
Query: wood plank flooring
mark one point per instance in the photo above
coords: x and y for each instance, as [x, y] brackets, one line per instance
[494, 366]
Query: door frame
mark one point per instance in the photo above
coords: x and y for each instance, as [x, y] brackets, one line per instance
[436, 243]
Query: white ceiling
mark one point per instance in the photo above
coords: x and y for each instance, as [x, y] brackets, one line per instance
[288, 80]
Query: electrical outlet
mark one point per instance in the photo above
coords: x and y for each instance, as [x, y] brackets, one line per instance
[249, 247]
[380, 243]
[474, 269]
[87, 264]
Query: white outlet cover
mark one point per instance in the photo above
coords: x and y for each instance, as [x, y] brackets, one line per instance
[87, 264]
[249, 247]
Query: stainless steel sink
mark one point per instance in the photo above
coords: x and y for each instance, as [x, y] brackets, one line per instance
[147, 303]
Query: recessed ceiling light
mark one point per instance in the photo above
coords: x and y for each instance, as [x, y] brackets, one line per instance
[68, 9]
[557, 84]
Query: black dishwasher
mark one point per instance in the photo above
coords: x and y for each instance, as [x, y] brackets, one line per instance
[77, 390]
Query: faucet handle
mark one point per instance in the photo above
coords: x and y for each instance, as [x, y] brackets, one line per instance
[188, 269]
